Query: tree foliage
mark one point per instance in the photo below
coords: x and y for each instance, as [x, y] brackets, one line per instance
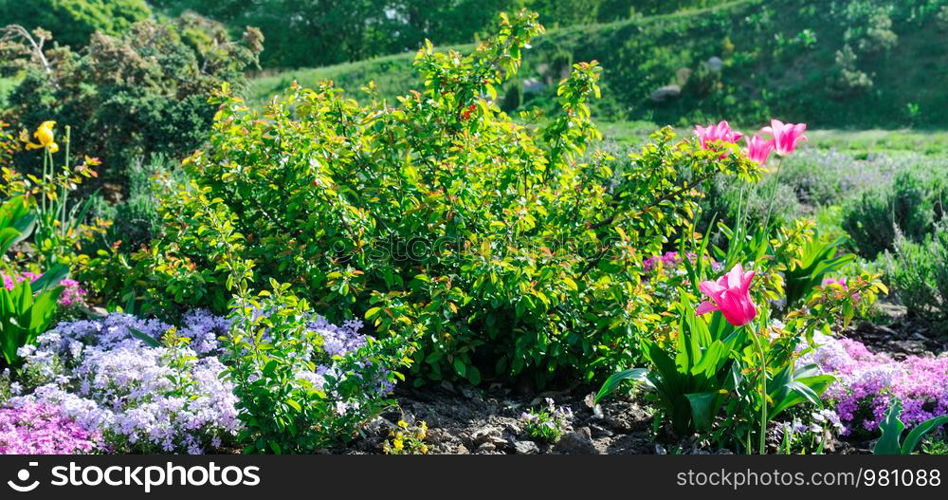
[72, 22]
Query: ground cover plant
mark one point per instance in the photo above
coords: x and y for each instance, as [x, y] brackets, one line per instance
[452, 269]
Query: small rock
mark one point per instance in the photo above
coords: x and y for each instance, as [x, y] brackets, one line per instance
[526, 447]
[715, 64]
[578, 442]
[665, 93]
[469, 393]
[597, 412]
[488, 434]
[512, 428]
[600, 432]
[660, 450]
[533, 86]
[486, 448]
[378, 425]
[462, 450]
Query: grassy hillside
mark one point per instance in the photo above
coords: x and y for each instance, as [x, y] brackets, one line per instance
[832, 63]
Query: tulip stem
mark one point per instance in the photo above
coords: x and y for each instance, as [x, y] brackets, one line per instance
[763, 395]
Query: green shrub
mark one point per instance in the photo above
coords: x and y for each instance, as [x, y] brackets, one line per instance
[135, 219]
[142, 92]
[918, 273]
[513, 97]
[907, 205]
[294, 396]
[771, 201]
[72, 22]
[500, 249]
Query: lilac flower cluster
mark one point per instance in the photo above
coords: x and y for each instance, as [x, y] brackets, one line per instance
[43, 429]
[342, 342]
[338, 340]
[866, 382]
[166, 399]
[73, 294]
[671, 260]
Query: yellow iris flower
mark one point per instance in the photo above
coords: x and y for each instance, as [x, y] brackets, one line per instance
[44, 134]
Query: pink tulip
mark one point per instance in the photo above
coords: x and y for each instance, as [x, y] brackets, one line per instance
[730, 294]
[758, 150]
[838, 282]
[720, 132]
[785, 135]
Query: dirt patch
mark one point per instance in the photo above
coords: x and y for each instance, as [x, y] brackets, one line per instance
[901, 338]
[465, 420]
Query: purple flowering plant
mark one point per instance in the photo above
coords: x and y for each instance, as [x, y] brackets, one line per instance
[143, 385]
[302, 383]
[866, 384]
[809, 432]
[548, 423]
[43, 429]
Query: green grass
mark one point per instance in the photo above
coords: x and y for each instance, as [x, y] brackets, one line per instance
[6, 86]
[768, 71]
[393, 76]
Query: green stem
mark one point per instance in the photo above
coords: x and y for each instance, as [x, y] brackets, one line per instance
[763, 397]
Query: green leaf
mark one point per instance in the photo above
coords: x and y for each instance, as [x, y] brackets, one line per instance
[459, 367]
[473, 375]
[638, 375]
[704, 407]
[892, 428]
[147, 339]
[916, 435]
[51, 277]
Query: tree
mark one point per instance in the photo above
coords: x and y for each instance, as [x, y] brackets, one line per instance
[72, 22]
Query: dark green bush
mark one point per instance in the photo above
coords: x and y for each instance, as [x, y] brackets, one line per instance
[918, 273]
[135, 218]
[513, 97]
[908, 205]
[143, 92]
[771, 202]
[501, 250]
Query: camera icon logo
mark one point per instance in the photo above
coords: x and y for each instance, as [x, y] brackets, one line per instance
[23, 475]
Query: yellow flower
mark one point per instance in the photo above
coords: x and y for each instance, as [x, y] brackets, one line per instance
[44, 134]
[398, 445]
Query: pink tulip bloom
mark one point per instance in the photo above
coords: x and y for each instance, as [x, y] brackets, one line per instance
[758, 150]
[730, 294]
[720, 132]
[785, 135]
[839, 282]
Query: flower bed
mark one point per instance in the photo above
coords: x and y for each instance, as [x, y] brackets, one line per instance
[867, 382]
[43, 429]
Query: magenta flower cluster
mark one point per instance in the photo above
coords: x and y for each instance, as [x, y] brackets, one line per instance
[784, 138]
[42, 429]
[867, 382]
[73, 294]
[671, 260]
